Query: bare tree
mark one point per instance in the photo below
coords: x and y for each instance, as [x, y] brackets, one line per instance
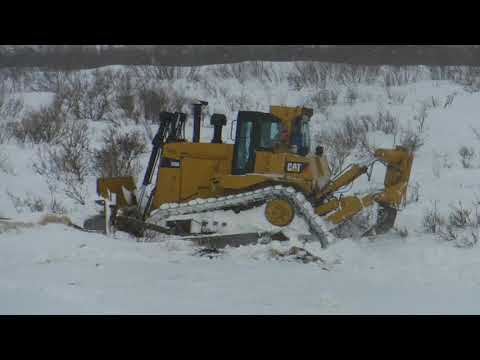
[120, 153]
[66, 166]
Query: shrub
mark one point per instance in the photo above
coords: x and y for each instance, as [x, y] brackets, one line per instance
[5, 165]
[5, 132]
[403, 232]
[395, 97]
[307, 74]
[351, 96]
[153, 73]
[413, 193]
[466, 156]
[125, 95]
[432, 221]
[258, 70]
[153, 101]
[66, 165]
[33, 203]
[324, 99]
[10, 107]
[89, 96]
[339, 142]
[460, 229]
[43, 126]
[119, 154]
[351, 134]
[412, 140]
[459, 217]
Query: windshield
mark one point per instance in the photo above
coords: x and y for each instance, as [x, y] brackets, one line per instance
[244, 143]
[301, 136]
[270, 134]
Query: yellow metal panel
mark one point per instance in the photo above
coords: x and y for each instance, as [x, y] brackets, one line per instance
[238, 182]
[197, 178]
[114, 185]
[349, 206]
[200, 163]
[198, 151]
[168, 187]
[327, 207]
[269, 163]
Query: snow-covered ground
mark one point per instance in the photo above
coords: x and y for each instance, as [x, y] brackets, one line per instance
[57, 269]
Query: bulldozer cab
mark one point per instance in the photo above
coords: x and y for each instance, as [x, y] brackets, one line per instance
[283, 130]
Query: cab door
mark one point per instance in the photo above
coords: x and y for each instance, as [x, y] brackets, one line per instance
[255, 131]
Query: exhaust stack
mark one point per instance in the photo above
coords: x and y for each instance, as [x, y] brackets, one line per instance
[197, 118]
[218, 121]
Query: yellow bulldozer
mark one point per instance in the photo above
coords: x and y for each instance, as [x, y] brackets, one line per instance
[270, 164]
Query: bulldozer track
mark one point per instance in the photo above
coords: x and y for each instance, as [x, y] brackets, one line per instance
[318, 227]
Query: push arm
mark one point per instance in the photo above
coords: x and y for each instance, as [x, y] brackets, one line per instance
[398, 162]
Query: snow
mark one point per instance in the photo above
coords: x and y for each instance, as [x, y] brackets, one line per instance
[66, 271]
[55, 269]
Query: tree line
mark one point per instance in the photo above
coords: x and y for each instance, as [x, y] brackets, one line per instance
[67, 57]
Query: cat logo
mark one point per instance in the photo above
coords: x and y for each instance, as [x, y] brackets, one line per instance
[294, 167]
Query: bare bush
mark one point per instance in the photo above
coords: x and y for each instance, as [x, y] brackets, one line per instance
[324, 98]
[449, 100]
[153, 101]
[467, 240]
[43, 126]
[400, 75]
[454, 73]
[413, 193]
[459, 217]
[432, 221]
[147, 74]
[10, 107]
[467, 154]
[468, 77]
[55, 206]
[421, 117]
[239, 102]
[347, 74]
[447, 233]
[30, 202]
[5, 165]
[5, 133]
[67, 164]
[411, 139]
[125, 96]
[435, 101]
[395, 97]
[461, 228]
[384, 121]
[351, 133]
[309, 74]
[14, 78]
[89, 96]
[48, 80]
[351, 96]
[476, 132]
[258, 70]
[119, 155]
[339, 142]
[403, 232]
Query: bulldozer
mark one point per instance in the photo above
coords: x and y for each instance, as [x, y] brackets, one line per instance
[270, 163]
